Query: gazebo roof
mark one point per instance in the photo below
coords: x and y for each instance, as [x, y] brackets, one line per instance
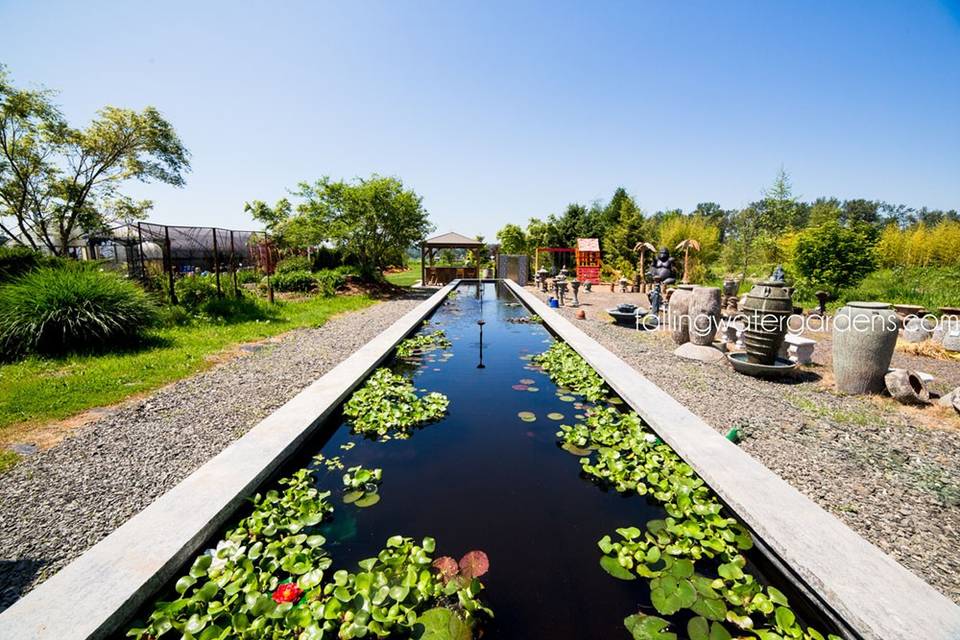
[452, 240]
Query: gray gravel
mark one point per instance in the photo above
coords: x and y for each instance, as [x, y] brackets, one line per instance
[892, 475]
[57, 503]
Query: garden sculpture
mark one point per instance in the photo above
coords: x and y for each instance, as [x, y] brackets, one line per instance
[686, 245]
[656, 298]
[561, 284]
[662, 268]
[575, 287]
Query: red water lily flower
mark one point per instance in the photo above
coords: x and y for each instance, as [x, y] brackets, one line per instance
[287, 592]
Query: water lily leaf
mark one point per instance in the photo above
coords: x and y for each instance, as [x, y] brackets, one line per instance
[614, 400]
[566, 398]
[710, 608]
[519, 387]
[352, 496]
[698, 628]
[527, 381]
[575, 450]
[368, 500]
[447, 567]
[555, 416]
[533, 389]
[527, 416]
[474, 564]
[614, 568]
[443, 624]
[644, 627]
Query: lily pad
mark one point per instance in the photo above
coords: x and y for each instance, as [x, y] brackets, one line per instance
[533, 389]
[611, 566]
[519, 387]
[352, 496]
[527, 381]
[474, 564]
[567, 398]
[527, 416]
[555, 416]
[368, 500]
[614, 400]
[644, 627]
[443, 624]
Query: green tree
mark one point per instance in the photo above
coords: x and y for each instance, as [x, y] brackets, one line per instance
[57, 181]
[371, 220]
[824, 210]
[271, 217]
[622, 237]
[513, 240]
[779, 209]
[832, 257]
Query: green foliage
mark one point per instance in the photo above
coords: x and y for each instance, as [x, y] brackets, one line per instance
[832, 257]
[361, 486]
[676, 229]
[513, 240]
[193, 291]
[248, 276]
[387, 406]
[329, 280]
[569, 370]
[302, 281]
[231, 308]
[371, 220]
[271, 217]
[55, 204]
[929, 287]
[920, 245]
[617, 451]
[56, 310]
[271, 578]
[294, 263]
[17, 260]
[422, 343]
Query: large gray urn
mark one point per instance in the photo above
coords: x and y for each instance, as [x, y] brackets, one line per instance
[864, 336]
[678, 315]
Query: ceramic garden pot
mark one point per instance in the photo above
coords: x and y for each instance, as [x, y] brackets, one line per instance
[766, 310]
[704, 312]
[864, 336]
[679, 318]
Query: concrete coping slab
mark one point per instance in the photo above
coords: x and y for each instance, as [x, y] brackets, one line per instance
[99, 591]
[875, 596]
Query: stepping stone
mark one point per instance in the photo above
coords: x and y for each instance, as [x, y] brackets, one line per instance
[699, 353]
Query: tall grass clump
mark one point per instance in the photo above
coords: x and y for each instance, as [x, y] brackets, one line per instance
[51, 311]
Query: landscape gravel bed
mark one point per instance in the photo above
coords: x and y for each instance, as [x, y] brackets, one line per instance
[892, 475]
[57, 503]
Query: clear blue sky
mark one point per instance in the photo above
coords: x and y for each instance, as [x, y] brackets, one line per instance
[496, 112]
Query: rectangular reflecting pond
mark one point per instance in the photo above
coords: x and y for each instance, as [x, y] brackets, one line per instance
[491, 476]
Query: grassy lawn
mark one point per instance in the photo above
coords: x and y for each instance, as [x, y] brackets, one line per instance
[38, 390]
[405, 278]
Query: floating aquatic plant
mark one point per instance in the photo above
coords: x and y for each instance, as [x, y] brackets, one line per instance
[423, 343]
[617, 451]
[555, 416]
[388, 406]
[362, 486]
[527, 416]
[569, 370]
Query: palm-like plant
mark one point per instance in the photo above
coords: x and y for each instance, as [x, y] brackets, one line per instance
[642, 248]
[686, 245]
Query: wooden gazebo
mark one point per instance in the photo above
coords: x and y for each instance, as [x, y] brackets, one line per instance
[433, 275]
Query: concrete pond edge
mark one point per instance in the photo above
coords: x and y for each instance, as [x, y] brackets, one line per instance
[874, 595]
[99, 591]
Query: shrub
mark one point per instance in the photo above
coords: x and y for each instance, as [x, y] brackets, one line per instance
[294, 281]
[832, 257]
[55, 310]
[294, 263]
[234, 309]
[329, 280]
[248, 276]
[675, 229]
[18, 260]
[920, 245]
[194, 291]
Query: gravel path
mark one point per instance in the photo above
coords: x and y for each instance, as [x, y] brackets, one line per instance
[56, 504]
[891, 474]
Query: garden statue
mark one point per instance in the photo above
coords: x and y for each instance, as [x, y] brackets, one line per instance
[561, 284]
[778, 274]
[623, 284]
[575, 287]
[542, 275]
[729, 301]
[656, 298]
[587, 286]
[662, 268]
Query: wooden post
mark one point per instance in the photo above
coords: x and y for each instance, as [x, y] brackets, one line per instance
[216, 262]
[168, 259]
[423, 269]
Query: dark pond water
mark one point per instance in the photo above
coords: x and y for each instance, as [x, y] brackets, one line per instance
[482, 478]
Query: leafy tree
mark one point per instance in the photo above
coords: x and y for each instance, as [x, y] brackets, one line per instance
[832, 257]
[513, 240]
[824, 210]
[57, 181]
[609, 216]
[779, 206]
[271, 217]
[861, 211]
[372, 220]
[622, 237]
